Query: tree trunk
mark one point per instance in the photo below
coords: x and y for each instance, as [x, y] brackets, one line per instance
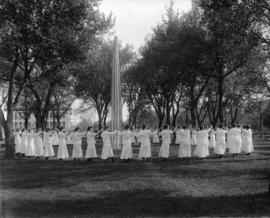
[168, 112]
[220, 100]
[9, 145]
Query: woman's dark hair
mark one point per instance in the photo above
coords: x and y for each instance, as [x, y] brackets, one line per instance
[238, 126]
[201, 127]
[77, 129]
[165, 126]
[184, 127]
[89, 128]
[233, 125]
[143, 126]
[220, 126]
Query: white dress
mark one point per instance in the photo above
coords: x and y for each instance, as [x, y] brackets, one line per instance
[62, 152]
[165, 146]
[155, 137]
[107, 146]
[38, 145]
[178, 136]
[247, 143]
[194, 137]
[145, 148]
[47, 143]
[77, 145]
[55, 139]
[235, 141]
[69, 139]
[24, 142]
[202, 144]
[31, 145]
[126, 137]
[212, 143]
[184, 147]
[91, 145]
[220, 147]
[18, 143]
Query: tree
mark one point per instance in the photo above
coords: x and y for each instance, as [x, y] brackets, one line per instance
[62, 101]
[227, 24]
[37, 38]
[134, 96]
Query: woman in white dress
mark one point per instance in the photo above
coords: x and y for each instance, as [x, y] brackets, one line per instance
[235, 140]
[220, 147]
[184, 148]
[144, 139]
[62, 152]
[24, 141]
[47, 143]
[166, 141]
[202, 150]
[155, 136]
[18, 143]
[107, 151]
[91, 143]
[126, 137]
[247, 142]
[31, 145]
[212, 143]
[55, 138]
[38, 143]
[194, 137]
[77, 144]
[178, 135]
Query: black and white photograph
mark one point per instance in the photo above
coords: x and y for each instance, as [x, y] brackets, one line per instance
[134, 108]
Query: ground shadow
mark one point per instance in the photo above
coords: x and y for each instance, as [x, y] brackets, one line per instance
[140, 203]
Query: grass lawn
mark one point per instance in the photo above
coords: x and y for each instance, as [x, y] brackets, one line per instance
[176, 188]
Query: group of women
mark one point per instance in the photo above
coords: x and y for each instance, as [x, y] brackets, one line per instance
[40, 143]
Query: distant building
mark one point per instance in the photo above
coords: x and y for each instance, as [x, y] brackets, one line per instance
[18, 121]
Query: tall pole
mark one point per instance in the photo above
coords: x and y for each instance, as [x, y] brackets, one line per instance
[116, 115]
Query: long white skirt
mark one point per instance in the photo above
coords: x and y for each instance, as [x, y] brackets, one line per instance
[247, 145]
[106, 151]
[30, 148]
[145, 150]
[62, 152]
[126, 151]
[184, 150]
[235, 145]
[193, 139]
[212, 142]
[220, 147]
[164, 150]
[39, 147]
[155, 138]
[48, 149]
[91, 150]
[202, 149]
[18, 145]
[178, 139]
[24, 145]
[77, 150]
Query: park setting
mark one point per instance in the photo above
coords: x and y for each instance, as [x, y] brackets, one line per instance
[129, 108]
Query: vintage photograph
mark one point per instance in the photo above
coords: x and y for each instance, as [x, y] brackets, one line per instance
[134, 108]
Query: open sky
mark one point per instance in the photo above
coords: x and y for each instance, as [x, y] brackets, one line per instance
[136, 18]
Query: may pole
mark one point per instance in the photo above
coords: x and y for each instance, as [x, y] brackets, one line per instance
[116, 115]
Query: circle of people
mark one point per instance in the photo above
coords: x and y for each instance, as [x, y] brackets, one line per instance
[237, 139]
